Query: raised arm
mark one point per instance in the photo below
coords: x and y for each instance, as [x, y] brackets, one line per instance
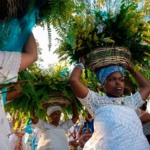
[144, 84]
[29, 54]
[75, 116]
[77, 86]
[34, 118]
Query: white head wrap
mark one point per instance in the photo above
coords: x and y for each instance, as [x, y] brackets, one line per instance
[52, 109]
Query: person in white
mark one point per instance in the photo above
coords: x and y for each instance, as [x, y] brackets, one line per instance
[10, 64]
[116, 124]
[53, 134]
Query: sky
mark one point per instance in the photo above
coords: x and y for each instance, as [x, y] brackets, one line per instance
[41, 35]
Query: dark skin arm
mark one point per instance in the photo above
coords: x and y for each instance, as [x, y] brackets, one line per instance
[77, 86]
[83, 139]
[75, 116]
[14, 93]
[34, 118]
[144, 84]
[144, 117]
[29, 54]
[28, 57]
[74, 143]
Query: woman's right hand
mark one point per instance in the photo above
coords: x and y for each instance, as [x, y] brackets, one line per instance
[82, 60]
[130, 68]
[79, 89]
[83, 139]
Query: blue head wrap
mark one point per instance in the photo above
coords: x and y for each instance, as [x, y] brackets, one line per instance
[14, 33]
[103, 73]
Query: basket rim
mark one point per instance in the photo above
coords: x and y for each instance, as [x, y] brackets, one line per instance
[56, 98]
[93, 61]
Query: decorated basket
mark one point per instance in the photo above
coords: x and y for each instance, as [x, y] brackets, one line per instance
[105, 56]
[56, 99]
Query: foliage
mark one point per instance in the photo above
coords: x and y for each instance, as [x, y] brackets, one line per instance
[56, 13]
[124, 26]
[41, 86]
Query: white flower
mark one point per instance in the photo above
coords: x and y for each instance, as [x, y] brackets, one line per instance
[100, 28]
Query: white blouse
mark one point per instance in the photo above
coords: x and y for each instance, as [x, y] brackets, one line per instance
[52, 137]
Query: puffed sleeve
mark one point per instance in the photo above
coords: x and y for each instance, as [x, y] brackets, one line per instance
[9, 66]
[92, 101]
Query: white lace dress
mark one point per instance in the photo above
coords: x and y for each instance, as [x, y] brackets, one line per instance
[116, 124]
[9, 67]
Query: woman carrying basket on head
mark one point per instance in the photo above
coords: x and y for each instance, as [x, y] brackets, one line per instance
[18, 50]
[116, 124]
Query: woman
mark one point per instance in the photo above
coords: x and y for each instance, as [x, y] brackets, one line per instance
[53, 133]
[11, 64]
[116, 125]
[18, 50]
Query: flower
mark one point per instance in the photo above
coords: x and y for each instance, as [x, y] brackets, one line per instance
[94, 28]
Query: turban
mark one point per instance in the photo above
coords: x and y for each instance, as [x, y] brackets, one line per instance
[103, 73]
[52, 109]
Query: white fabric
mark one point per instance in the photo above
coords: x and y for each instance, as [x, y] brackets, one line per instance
[4, 124]
[72, 132]
[9, 66]
[13, 141]
[52, 109]
[4, 142]
[146, 128]
[116, 125]
[52, 137]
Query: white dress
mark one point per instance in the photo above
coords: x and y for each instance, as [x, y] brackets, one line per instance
[9, 67]
[52, 137]
[116, 124]
[13, 141]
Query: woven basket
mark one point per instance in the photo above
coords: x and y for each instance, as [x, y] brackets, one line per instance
[56, 99]
[105, 56]
[13, 9]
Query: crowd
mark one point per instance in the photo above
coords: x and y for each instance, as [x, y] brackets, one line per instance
[112, 123]
[72, 134]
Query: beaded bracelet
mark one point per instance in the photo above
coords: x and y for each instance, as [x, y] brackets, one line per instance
[80, 65]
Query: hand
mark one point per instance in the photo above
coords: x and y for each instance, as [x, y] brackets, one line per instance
[82, 60]
[19, 134]
[74, 143]
[83, 139]
[130, 68]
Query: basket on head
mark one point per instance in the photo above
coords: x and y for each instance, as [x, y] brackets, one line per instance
[56, 99]
[12, 9]
[105, 56]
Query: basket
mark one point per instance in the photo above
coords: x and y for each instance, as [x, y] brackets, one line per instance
[56, 99]
[105, 56]
[13, 9]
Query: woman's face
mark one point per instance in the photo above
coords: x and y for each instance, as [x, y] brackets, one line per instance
[114, 85]
[55, 117]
